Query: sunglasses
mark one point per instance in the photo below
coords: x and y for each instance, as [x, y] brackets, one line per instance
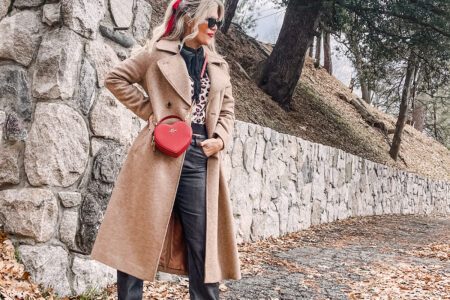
[212, 22]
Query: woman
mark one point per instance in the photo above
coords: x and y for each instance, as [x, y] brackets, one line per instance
[174, 214]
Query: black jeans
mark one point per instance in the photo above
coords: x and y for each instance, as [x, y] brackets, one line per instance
[190, 204]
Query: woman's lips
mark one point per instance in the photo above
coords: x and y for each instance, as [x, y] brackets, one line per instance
[211, 34]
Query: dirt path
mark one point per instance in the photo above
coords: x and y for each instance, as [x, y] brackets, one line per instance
[379, 257]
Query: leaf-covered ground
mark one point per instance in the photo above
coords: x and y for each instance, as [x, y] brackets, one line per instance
[376, 257]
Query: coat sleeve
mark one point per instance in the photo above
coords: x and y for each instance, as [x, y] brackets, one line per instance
[119, 81]
[225, 123]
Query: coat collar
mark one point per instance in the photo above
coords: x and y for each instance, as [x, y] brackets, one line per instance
[173, 68]
[172, 46]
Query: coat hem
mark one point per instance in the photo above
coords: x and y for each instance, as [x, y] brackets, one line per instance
[172, 270]
[136, 271]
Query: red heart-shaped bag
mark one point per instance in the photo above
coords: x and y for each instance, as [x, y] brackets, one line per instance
[172, 139]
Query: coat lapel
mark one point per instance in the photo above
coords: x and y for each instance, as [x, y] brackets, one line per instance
[175, 71]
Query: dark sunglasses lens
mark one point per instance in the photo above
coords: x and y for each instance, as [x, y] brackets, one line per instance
[212, 22]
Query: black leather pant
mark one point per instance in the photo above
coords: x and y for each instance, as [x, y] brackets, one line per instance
[190, 204]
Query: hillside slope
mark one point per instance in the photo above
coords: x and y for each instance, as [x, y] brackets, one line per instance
[321, 110]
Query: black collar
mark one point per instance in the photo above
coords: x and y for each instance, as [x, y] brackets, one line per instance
[194, 59]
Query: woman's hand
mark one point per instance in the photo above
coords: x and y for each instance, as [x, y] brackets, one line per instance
[211, 146]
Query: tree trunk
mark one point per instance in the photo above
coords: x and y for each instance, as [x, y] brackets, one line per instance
[327, 53]
[360, 69]
[419, 114]
[435, 120]
[397, 139]
[230, 10]
[311, 50]
[318, 49]
[352, 83]
[281, 71]
[362, 81]
[418, 103]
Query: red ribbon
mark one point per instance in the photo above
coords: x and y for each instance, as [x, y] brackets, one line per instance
[174, 9]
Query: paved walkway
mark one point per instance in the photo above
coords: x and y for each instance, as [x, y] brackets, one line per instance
[377, 257]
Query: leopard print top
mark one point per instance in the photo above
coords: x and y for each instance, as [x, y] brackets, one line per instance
[198, 110]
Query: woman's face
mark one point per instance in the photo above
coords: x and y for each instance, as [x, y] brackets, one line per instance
[205, 34]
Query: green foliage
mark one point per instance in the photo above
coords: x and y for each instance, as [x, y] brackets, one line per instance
[91, 293]
[16, 256]
[10, 6]
[379, 37]
[386, 31]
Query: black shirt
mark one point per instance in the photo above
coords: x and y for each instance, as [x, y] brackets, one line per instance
[194, 59]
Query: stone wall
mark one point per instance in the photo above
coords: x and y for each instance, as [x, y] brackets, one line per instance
[63, 135]
[281, 183]
[64, 138]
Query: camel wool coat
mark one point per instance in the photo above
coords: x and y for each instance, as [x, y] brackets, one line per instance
[139, 234]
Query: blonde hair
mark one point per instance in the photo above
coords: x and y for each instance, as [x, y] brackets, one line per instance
[188, 10]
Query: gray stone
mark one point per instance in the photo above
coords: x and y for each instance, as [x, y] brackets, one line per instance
[292, 146]
[251, 129]
[239, 190]
[267, 133]
[89, 274]
[105, 169]
[111, 119]
[275, 138]
[57, 64]
[28, 3]
[68, 227]
[9, 163]
[83, 16]
[96, 145]
[48, 266]
[70, 199]
[19, 36]
[103, 57]
[293, 222]
[229, 148]
[86, 90]
[57, 149]
[31, 212]
[142, 21]
[254, 187]
[282, 204]
[236, 154]
[122, 39]
[121, 12]
[226, 165]
[51, 13]
[14, 127]
[259, 153]
[268, 150]
[4, 5]
[241, 130]
[15, 91]
[2, 125]
[249, 153]
[167, 277]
